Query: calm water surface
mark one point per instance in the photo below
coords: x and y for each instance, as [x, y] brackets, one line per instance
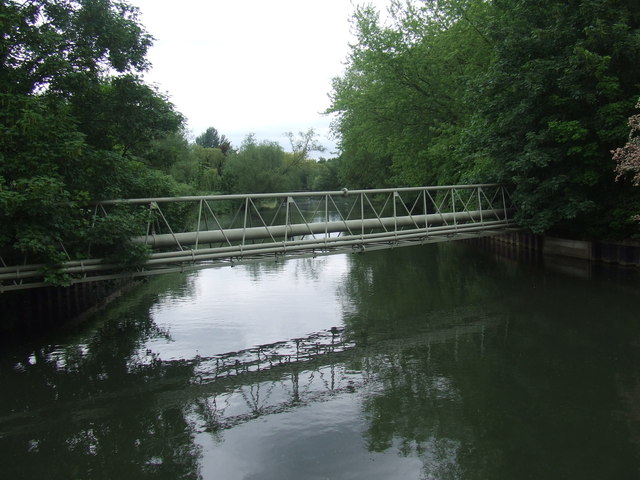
[434, 362]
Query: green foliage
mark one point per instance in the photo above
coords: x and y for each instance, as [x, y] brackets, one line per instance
[534, 94]
[200, 165]
[210, 158]
[257, 168]
[110, 236]
[39, 147]
[362, 169]
[326, 176]
[186, 170]
[403, 95]
[554, 99]
[203, 169]
[48, 44]
[123, 114]
[212, 139]
[74, 115]
[164, 152]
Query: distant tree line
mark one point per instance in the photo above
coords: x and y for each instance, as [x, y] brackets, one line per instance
[213, 165]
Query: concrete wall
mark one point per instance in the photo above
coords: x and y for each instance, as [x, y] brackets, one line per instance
[618, 253]
[567, 248]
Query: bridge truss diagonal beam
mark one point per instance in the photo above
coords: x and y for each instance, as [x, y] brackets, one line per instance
[188, 233]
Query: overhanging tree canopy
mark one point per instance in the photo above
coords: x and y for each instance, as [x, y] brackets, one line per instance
[534, 94]
[74, 113]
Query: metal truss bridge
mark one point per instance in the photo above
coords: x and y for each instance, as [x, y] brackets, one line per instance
[188, 233]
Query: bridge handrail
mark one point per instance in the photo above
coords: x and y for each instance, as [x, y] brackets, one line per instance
[242, 196]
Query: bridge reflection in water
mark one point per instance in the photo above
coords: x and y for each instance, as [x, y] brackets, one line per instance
[232, 388]
[188, 233]
[169, 406]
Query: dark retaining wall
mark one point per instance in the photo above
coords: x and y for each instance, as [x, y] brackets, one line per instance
[626, 254]
[519, 246]
[37, 311]
[619, 253]
[573, 257]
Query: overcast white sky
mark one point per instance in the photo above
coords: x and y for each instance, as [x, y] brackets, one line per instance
[250, 66]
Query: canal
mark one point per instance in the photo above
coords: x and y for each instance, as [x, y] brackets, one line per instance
[434, 362]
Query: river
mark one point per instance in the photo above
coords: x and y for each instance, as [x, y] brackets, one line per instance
[432, 362]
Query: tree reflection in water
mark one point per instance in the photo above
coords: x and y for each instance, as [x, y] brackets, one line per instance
[83, 409]
[540, 391]
[147, 414]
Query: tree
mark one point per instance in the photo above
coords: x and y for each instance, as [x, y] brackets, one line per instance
[123, 114]
[211, 162]
[402, 98]
[257, 168]
[326, 175]
[52, 46]
[75, 115]
[552, 105]
[212, 139]
[167, 150]
[532, 94]
[209, 155]
[303, 145]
